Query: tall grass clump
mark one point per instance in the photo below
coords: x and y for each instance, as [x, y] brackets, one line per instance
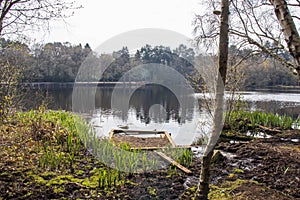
[56, 134]
[184, 156]
[246, 120]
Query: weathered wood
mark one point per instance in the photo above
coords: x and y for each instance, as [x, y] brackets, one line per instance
[146, 148]
[170, 139]
[170, 160]
[164, 136]
[111, 133]
[144, 132]
[136, 132]
[155, 148]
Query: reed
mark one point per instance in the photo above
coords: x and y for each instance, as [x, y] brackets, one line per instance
[245, 120]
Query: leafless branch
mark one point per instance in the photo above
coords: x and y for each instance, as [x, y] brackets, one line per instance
[18, 14]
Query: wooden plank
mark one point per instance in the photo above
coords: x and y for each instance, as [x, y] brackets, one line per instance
[144, 132]
[170, 139]
[154, 148]
[146, 148]
[136, 132]
[170, 160]
[111, 133]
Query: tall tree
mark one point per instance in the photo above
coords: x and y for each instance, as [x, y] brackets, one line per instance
[289, 30]
[203, 186]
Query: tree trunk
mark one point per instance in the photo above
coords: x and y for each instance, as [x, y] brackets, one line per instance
[203, 186]
[289, 30]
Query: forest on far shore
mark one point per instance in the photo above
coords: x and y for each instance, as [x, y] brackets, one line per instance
[59, 62]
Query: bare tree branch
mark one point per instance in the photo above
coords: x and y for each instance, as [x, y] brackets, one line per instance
[255, 25]
[16, 15]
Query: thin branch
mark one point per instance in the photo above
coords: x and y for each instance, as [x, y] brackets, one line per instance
[272, 54]
[296, 17]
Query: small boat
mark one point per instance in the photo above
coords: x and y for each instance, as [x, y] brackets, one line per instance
[142, 139]
[147, 140]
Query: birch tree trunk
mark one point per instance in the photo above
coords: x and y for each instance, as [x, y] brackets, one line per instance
[203, 186]
[289, 30]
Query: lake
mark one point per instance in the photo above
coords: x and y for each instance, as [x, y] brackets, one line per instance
[155, 107]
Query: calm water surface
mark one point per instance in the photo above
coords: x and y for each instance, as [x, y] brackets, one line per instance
[156, 107]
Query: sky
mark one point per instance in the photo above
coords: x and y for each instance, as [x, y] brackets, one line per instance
[99, 20]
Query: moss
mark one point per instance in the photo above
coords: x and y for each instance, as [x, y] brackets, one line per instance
[56, 182]
[79, 172]
[231, 175]
[37, 178]
[88, 167]
[91, 182]
[238, 171]
[151, 190]
[94, 170]
[59, 180]
[225, 191]
[48, 174]
[57, 190]
[5, 174]
[26, 195]
[219, 193]
[193, 189]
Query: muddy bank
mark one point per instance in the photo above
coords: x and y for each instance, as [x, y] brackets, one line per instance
[272, 166]
[274, 163]
[257, 169]
[260, 169]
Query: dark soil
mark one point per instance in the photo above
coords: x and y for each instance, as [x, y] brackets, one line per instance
[270, 162]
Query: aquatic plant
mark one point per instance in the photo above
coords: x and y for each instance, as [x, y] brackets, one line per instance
[246, 120]
[184, 156]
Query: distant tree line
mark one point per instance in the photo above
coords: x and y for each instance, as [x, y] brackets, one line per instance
[51, 62]
[259, 70]
[59, 62]
[124, 62]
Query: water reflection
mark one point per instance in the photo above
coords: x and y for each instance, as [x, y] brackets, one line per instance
[143, 101]
[150, 103]
[156, 107]
[157, 103]
[142, 107]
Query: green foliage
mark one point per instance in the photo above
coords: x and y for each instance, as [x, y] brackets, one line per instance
[10, 75]
[181, 155]
[151, 190]
[45, 150]
[245, 120]
[56, 131]
[226, 190]
[103, 178]
[122, 158]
